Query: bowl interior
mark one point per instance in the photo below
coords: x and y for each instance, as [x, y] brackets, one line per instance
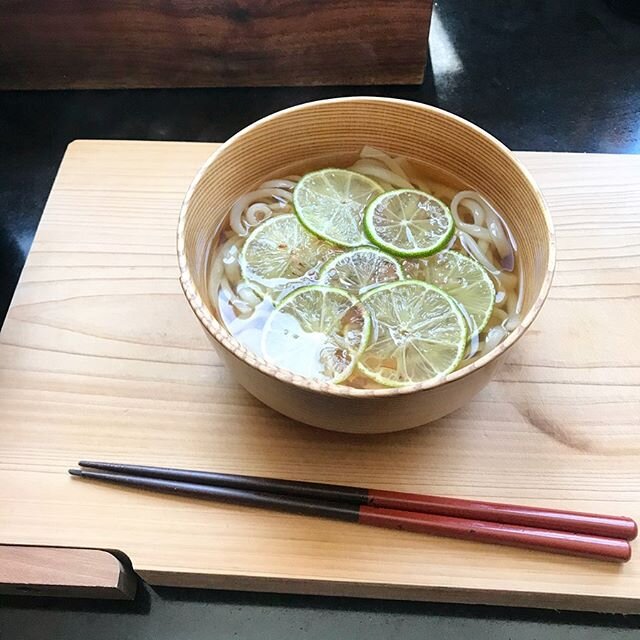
[344, 126]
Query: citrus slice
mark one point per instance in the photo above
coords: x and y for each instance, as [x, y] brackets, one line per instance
[421, 334]
[280, 251]
[361, 269]
[408, 223]
[464, 279]
[317, 332]
[331, 204]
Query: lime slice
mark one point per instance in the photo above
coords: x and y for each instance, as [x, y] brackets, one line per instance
[317, 332]
[408, 223]
[361, 269]
[280, 251]
[421, 334]
[331, 204]
[464, 279]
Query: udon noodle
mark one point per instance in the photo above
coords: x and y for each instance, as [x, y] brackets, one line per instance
[480, 232]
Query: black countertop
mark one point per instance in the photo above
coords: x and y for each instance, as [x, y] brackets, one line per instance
[554, 75]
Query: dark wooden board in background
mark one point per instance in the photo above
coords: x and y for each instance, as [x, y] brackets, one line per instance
[49, 44]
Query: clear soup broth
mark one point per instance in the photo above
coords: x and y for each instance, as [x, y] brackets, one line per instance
[390, 274]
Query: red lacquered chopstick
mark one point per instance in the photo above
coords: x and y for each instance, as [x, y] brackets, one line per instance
[574, 544]
[597, 547]
[573, 522]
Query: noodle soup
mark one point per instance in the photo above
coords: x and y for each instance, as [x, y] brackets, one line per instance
[371, 271]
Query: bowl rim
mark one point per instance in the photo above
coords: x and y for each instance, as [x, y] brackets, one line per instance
[227, 341]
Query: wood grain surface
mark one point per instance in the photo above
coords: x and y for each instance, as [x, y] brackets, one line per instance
[72, 573]
[101, 358]
[51, 44]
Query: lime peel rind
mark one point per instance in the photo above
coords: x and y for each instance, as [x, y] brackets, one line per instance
[345, 267]
[398, 340]
[278, 347]
[420, 250]
[331, 203]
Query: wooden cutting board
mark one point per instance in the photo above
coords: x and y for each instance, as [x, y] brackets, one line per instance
[101, 358]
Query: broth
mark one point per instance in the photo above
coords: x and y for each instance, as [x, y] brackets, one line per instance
[245, 304]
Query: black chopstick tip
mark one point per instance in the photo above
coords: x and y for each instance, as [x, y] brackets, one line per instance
[75, 472]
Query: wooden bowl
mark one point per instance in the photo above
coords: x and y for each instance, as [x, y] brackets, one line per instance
[332, 127]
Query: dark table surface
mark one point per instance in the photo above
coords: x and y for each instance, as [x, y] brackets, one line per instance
[554, 75]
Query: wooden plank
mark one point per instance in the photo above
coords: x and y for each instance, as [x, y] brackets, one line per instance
[188, 43]
[101, 358]
[72, 573]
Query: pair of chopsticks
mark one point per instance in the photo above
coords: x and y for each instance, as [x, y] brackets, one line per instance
[578, 534]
